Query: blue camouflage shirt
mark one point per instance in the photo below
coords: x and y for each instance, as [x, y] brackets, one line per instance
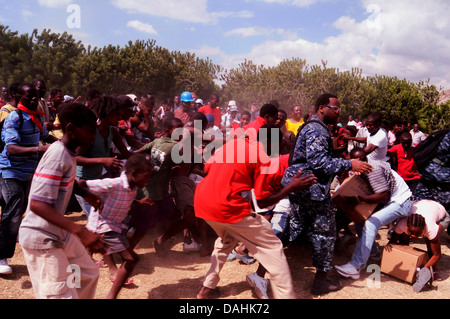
[314, 154]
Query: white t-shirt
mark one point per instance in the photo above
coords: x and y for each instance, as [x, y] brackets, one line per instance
[417, 137]
[380, 140]
[391, 137]
[432, 211]
[402, 191]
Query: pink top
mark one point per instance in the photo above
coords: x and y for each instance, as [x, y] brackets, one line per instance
[432, 211]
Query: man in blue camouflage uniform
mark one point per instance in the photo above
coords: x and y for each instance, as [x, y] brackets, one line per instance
[312, 209]
[434, 183]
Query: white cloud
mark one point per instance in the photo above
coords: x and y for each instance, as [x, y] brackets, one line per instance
[141, 26]
[54, 3]
[260, 31]
[207, 50]
[298, 3]
[249, 32]
[404, 38]
[185, 10]
[26, 14]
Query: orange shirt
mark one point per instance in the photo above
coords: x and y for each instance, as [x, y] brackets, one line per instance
[239, 166]
[215, 112]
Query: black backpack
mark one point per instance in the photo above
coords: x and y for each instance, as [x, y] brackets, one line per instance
[2, 143]
[427, 150]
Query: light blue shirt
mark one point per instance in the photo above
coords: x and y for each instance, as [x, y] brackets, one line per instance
[29, 135]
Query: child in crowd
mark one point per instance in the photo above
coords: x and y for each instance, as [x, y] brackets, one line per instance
[50, 242]
[406, 166]
[157, 190]
[239, 131]
[97, 161]
[183, 190]
[118, 195]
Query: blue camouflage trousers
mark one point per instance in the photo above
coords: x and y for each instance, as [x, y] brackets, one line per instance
[317, 220]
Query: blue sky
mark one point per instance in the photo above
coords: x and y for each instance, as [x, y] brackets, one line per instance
[404, 38]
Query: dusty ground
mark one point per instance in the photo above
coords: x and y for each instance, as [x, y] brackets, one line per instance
[180, 274]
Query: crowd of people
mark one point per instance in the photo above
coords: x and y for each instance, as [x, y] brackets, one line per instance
[255, 178]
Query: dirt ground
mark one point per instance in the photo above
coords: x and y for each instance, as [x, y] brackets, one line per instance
[179, 275]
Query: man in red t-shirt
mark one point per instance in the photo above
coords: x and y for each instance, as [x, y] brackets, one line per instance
[406, 166]
[213, 109]
[267, 115]
[235, 169]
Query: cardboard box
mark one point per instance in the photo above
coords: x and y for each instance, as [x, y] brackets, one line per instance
[353, 186]
[402, 262]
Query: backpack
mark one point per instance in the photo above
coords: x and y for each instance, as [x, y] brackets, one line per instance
[2, 143]
[427, 150]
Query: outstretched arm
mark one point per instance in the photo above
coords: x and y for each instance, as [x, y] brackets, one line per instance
[297, 184]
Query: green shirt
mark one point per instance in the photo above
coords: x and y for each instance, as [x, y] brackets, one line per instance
[160, 152]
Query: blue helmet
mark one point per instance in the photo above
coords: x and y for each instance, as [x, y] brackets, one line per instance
[186, 97]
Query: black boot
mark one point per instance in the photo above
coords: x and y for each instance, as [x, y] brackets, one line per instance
[322, 285]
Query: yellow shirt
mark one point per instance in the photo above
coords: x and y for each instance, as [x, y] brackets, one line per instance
[293, 127]
[57, 133]
[5, 110]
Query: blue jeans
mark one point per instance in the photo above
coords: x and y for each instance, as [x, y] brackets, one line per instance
[15, 196]
[381, 218]
[280, 225]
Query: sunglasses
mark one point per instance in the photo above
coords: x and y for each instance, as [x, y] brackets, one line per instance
[334, 108]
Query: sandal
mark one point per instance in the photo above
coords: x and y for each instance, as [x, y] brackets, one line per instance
[423, 277]
[129, 282]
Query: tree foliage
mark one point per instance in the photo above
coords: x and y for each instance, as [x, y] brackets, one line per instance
[139, 67]
[144, 67]
[294, 82]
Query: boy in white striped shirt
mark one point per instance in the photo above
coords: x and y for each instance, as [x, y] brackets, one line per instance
[53, 245]
[390, 190]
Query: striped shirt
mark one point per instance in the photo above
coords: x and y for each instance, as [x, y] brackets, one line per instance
[118, 197]
[384, 179]
[52, 184]
[29, 135]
